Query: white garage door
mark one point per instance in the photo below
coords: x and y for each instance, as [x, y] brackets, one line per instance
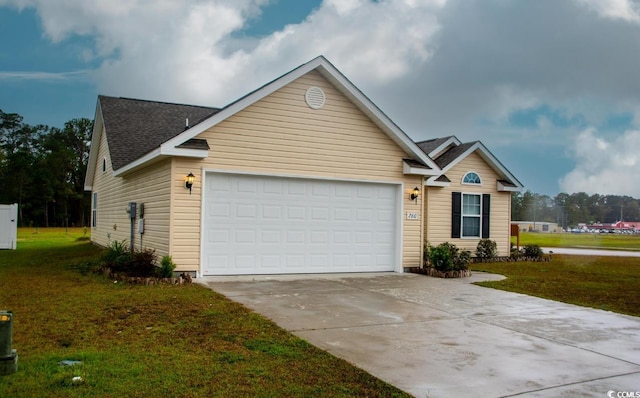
[273, 225]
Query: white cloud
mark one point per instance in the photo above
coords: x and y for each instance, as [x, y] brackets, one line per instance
[376, 42]
[605, 166]
[628, 10]
[436, 67]
[180, 51]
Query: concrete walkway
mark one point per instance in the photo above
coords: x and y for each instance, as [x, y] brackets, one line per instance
[447, 338]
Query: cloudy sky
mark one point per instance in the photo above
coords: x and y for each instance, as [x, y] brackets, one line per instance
[552, 87]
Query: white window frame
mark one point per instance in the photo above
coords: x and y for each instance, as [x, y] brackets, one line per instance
[471, 183]
[464, 216]
[94, 210]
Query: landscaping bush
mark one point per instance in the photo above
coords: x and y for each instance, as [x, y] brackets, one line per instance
[462, 260]
[119, 259]
[143, 263]
[440, 258]
[114, 253]
[447, 257]
[166, 267]
[486, 249]
[532, 251]
[513, 251]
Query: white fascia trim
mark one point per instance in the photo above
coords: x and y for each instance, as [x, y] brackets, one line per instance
[96, 135]
[149, 156]
[490, 159]
[431, 182]
[496, 164]
[185, 152]
[466, 153]
[406, 169]
[384, 122]
[453, 140]
[344, 85]
[243, 103]
[503, 188]
[159, 153]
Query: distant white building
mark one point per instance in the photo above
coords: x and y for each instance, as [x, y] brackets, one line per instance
[537, 226]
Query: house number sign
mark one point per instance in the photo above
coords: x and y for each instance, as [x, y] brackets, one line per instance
[411, 215]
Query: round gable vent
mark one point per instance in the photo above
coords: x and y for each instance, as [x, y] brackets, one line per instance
[314, 97]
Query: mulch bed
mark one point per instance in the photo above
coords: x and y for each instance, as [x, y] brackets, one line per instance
[182, 279]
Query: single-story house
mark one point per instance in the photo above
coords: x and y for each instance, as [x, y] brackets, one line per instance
[537, 226]
[303, 175]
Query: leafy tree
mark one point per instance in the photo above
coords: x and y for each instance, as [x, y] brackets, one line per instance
[43, 169]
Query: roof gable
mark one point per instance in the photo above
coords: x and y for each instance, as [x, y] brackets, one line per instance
[336, 78]
[457, 151]
[437, 146]
[135, 127]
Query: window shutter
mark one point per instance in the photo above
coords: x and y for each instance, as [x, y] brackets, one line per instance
[486, 209]
[456, 214]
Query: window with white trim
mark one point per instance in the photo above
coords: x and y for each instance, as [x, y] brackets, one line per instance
[104, 165]
[472, 178]
[94, 210]
[471, 215]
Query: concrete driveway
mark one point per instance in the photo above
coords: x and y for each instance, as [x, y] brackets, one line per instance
[447, 338]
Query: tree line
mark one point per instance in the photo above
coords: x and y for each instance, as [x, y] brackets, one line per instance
[568, 210]
[42, 169]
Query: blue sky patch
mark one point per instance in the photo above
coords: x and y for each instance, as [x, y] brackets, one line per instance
[530, 118]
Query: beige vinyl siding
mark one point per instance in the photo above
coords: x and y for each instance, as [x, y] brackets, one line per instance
[149, 186]
[281, 135]
[438, 206]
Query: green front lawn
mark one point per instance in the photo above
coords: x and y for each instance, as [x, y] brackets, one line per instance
[582, 240]
[155, 341]
[609, 283]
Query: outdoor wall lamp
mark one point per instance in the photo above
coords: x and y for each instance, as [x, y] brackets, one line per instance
[415, 194]
[188, 181]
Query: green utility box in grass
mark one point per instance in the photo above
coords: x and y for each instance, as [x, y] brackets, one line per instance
[8, 356]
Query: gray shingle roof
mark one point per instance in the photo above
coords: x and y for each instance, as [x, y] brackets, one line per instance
[136, 127]
[452, 154]
[416, 164]
[429, 145]
[195, 143]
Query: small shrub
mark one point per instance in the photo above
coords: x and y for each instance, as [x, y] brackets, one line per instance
[166, 267]
[120, 260]
[532, 251]
[116, 257]
[115, 250]
[143, 263]
[447, 257]
[486, 249]
[462, 260]
[440, 258]
[513, 251]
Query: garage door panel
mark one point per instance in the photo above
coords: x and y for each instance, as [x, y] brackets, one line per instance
[220, 211]
[272, 187]
[271, 261]
[263, 225]
[296, 213]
